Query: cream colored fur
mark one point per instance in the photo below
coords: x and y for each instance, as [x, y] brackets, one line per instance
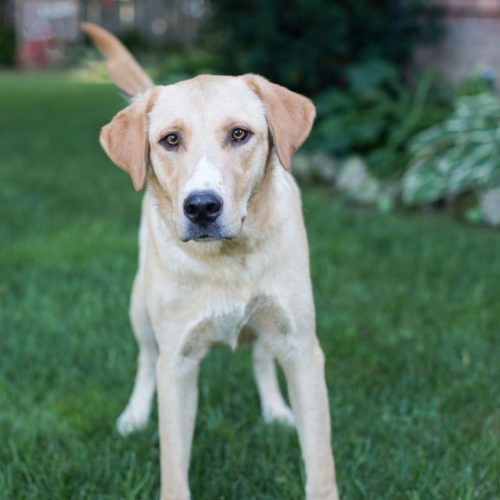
[251, 282]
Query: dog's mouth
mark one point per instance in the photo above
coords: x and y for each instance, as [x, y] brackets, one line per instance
[218, 230]
[206, 238]
[206, 233]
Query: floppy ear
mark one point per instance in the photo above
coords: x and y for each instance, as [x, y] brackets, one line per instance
[125, 138]
[289, 115]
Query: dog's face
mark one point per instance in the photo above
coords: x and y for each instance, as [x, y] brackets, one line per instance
[208, 148]
[208, 142]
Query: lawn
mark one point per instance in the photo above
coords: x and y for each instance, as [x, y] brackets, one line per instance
[408, 315]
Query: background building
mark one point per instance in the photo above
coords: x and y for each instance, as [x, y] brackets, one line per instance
[471, 43]
[45, 30]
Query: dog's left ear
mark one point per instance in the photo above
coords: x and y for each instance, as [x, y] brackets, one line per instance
[125, 138]
[290, 116]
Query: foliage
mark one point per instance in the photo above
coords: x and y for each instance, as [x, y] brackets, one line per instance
[347, 56]
[7, 46]
[377, 114]
[179, 65]
[407, 316]
[478, 82]
[459, 155]
[308, 46]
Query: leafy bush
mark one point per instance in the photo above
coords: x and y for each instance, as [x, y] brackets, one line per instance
[308, 45]
[461, 154]
[346, 55]
[7, 47]
[377, 114]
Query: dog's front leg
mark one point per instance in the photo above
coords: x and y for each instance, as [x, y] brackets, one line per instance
[177, 401]
[304, 371]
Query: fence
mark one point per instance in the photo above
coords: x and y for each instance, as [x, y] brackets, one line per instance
[46, 29]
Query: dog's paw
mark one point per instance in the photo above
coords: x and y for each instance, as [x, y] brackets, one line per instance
[279, 414]
[130, 421]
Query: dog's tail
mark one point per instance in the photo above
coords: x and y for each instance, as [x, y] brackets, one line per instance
[121, 65]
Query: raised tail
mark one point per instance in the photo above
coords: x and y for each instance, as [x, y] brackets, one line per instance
[125, 71]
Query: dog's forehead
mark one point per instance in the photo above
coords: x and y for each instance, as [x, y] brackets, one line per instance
[207, 98]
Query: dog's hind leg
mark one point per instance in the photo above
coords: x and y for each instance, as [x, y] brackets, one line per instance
[274, 408]
[136, 414]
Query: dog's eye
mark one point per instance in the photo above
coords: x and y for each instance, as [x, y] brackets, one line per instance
[171, 141]
[239, 134]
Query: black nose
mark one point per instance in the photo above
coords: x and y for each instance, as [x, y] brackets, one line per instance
[203, 207]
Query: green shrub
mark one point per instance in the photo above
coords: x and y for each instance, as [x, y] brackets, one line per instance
[309, 45]
[460, 155]
[377, 114]
[7, 47]
[179, 64]
[346, 55]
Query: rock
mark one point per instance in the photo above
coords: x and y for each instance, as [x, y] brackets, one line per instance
[315, 167]
[357, 182]
[490, 206]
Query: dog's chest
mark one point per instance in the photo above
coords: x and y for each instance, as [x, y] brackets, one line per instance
[262, 315]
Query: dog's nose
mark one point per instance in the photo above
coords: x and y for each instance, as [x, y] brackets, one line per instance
[203, 207]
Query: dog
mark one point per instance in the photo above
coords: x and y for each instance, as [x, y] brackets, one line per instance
[223, 255]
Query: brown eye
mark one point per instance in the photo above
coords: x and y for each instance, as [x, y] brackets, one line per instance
[239, 134]
[171, 141]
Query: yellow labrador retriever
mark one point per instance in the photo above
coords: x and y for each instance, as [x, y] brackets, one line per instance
[223, 253]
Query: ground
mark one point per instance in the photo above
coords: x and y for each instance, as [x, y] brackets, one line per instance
[408, 315]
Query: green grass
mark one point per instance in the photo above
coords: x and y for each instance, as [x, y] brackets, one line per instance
[408, 316]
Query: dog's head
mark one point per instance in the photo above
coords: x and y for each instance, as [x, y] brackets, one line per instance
[208, 141]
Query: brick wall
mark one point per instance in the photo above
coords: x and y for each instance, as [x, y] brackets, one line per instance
[472, 42]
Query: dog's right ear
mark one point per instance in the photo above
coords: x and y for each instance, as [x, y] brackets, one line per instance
[125, 138]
